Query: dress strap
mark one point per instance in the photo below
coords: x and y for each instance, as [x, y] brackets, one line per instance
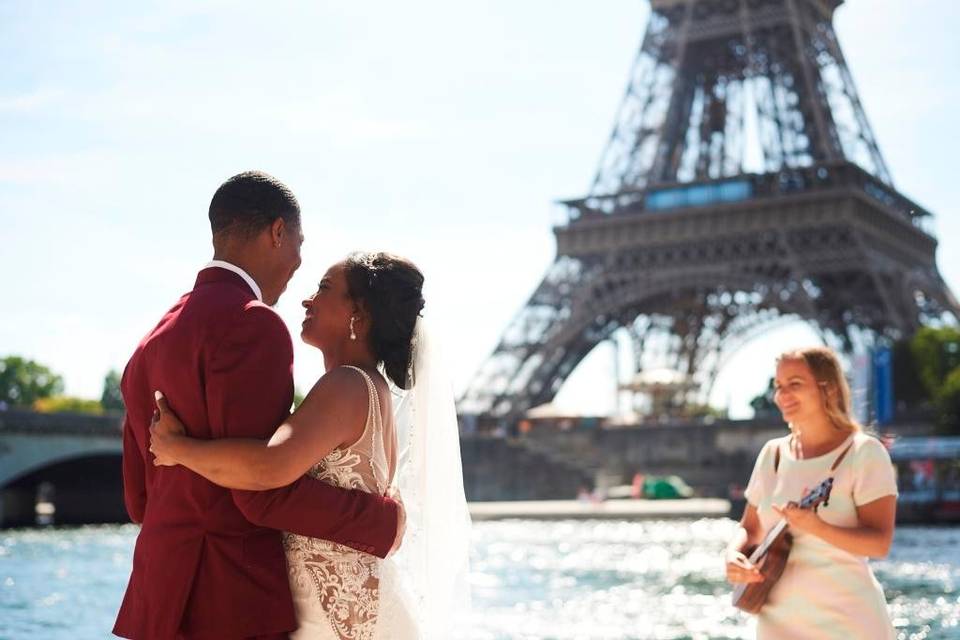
[374, 423]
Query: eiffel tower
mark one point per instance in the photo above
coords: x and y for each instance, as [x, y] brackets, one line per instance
[741, 187]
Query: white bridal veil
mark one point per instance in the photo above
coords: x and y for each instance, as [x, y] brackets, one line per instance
[435, 549]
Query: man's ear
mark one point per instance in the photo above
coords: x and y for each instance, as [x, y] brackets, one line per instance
[278, 231]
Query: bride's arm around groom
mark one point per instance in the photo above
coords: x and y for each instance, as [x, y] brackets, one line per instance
[248, 396]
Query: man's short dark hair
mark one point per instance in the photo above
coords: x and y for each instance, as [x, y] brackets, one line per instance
[251, 201]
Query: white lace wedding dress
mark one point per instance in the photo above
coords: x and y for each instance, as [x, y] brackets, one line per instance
[340, 593]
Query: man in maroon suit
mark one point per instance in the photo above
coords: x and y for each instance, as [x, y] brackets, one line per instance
[209, 562]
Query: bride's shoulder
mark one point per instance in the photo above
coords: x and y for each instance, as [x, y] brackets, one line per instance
[339, 387]
[343, 379]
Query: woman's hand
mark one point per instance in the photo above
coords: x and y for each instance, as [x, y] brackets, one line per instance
[805, 520]
[166, 431]
[740, 570]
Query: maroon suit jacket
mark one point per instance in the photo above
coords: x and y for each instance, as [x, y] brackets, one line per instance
[209, 561]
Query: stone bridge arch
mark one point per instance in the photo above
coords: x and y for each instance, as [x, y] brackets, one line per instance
[77, 458]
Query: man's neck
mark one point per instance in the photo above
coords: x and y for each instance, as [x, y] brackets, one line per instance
[244, 261]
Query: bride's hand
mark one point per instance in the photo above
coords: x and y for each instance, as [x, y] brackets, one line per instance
[166, 431]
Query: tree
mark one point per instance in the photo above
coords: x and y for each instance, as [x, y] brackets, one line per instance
[67, 404]
[23, 382]
[948, 404]
[297, 397]
[936, 353]
[702, 411]
[112, 399]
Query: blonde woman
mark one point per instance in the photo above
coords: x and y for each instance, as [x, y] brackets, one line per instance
[827, 589]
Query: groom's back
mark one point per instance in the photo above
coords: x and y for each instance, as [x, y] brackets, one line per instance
[200, 567]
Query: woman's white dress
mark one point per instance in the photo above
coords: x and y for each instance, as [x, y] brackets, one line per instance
[825, 592]
[340, 593]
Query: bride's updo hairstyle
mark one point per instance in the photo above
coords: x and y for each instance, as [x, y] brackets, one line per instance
[390, 289]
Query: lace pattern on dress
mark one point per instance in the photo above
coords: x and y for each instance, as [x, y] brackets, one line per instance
[345, 581]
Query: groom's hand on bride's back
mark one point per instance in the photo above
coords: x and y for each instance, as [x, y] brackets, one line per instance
[394, 494]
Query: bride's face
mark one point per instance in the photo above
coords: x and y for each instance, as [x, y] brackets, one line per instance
[328, 311]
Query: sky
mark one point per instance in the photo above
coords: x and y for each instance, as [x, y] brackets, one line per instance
[443, 131]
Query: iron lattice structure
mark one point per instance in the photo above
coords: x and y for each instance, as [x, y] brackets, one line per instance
[742, 186]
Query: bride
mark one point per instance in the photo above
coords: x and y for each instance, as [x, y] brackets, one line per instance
[364, 318]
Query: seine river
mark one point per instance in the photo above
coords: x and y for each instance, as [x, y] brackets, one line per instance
[531, 580]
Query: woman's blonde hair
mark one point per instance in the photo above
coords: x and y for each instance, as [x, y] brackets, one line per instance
[827, 371]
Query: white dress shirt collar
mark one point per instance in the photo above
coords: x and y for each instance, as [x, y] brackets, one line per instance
[222, 264]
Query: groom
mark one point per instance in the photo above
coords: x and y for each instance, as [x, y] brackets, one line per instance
[209, 562]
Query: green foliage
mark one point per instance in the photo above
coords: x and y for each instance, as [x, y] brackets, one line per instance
[67, 404]
[702, 411]
[936, 364]
[948, 403]
[936, 353]
[297, 398]
[23, 382]
[112, 399]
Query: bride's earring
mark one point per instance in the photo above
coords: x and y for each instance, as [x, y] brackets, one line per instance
[353, 335]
